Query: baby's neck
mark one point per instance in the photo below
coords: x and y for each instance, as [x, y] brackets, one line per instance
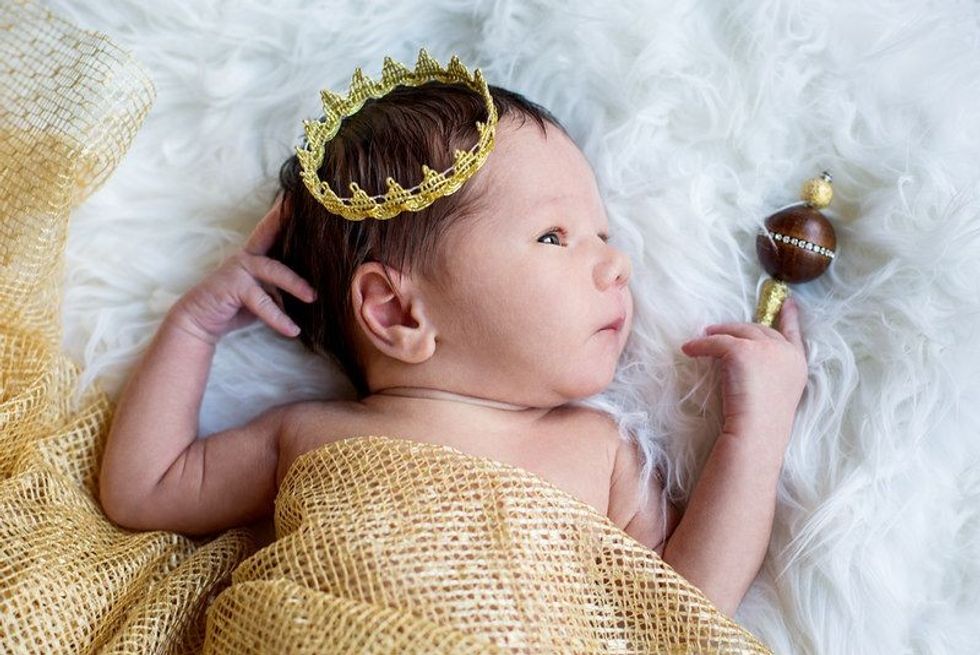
[439, 404]
[439, 394]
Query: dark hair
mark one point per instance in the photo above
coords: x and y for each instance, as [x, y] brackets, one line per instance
[389, 136]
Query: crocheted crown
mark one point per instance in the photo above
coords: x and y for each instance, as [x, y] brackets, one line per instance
[398, 199]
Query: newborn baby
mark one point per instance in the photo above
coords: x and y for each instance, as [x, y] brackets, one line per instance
[477, 323]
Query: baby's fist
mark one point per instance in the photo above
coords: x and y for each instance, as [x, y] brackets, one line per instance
[764, 372]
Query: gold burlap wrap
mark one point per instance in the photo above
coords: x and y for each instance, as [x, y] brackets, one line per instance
[70, 580]
[387, 545]
[383, 545]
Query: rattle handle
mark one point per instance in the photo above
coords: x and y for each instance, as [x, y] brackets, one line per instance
[771, 298]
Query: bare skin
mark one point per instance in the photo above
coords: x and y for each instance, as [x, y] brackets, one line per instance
[492, 365]
[520, 326]
[571, 447]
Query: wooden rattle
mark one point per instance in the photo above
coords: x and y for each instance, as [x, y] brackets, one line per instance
[797, 245]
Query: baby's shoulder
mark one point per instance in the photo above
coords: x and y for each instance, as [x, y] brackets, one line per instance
[317, 408]
[323, 419]
[598, 434]
[598, 425]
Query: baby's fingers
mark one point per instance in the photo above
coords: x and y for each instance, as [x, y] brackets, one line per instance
[789, 322]
[744, 330]
[278, 274]
[263, 306]
[717, 345]
[265, 232]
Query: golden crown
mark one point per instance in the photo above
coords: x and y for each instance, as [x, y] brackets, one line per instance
[433, 185]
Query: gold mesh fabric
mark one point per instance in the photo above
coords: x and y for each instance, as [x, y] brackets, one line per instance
[70, 580]
[387, 545]
[384, 546]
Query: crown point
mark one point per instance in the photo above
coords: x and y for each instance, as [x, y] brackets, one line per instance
[428, 175]
[332, 102]
[309, 160]
[425, 63]
[457, 68]
[395, 191]
[358, 85]
[392, 71]
[358, 191]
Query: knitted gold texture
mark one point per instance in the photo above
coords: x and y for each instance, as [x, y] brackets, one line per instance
[387, 545]
[434, 184]
[70, 580]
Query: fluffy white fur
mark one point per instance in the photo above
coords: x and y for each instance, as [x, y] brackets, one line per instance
[701, 118]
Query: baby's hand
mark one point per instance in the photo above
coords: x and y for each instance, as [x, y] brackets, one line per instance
[764, 372]
[232, 296]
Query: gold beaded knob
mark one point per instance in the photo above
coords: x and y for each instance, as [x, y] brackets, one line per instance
[817, 191]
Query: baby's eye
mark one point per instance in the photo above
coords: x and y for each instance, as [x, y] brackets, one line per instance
[553, 232]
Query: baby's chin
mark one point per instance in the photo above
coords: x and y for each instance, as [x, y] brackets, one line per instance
[615, 354]
[602, 371]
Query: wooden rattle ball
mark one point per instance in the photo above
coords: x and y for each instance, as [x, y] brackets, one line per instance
[799, 245]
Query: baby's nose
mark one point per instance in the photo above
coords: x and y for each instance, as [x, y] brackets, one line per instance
[626, 269]
[615, 270]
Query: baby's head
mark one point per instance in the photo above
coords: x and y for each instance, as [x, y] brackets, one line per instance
[499, 290]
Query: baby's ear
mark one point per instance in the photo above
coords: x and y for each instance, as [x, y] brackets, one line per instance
[391, 313]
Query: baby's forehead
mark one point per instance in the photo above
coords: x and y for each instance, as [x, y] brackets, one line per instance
[527, 170]
[528, 153]
[503, 216]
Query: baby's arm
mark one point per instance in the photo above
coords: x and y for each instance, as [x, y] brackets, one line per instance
[720, 541]
[651, 523]
[156, 473]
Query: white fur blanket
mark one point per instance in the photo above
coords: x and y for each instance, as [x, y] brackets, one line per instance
[700, 118]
